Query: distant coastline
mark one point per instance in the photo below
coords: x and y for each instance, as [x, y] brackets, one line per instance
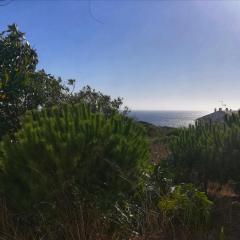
[167, 118]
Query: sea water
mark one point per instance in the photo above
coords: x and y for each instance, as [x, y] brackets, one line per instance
[167, 118]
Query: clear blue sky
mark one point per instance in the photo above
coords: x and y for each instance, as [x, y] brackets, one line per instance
[156, 54]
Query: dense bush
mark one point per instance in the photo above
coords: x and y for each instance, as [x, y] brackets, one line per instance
[186, 206]
[209, 152]
[70, 151]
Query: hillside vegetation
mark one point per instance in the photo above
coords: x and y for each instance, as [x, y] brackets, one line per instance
[74, 166]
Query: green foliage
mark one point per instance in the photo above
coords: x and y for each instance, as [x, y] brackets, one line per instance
[22, 87]
[85, 162]
[207, 152]
[17, 59]
[72, 147]
[97, 100]
[187, 206]
[16, 54]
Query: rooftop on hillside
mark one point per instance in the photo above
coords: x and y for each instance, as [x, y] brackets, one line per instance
[219, 115]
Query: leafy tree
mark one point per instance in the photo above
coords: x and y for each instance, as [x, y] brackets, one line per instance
[22, 87]
[97, 100]
[16, 54]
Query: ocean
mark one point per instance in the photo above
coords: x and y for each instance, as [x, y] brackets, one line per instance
[167, 118]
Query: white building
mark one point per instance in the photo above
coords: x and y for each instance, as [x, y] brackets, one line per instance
[217, 116]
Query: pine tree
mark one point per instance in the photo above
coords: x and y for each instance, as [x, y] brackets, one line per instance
[70, 147]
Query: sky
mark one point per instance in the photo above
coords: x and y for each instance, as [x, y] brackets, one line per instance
[157, 55]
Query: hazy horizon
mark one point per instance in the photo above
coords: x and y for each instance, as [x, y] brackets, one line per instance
[166, 55]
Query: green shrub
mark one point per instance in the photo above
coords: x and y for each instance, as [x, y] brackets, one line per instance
[99, 159]
[186, 206]
[210, 152]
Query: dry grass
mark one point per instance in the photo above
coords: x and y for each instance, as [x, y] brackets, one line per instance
[215, 190]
